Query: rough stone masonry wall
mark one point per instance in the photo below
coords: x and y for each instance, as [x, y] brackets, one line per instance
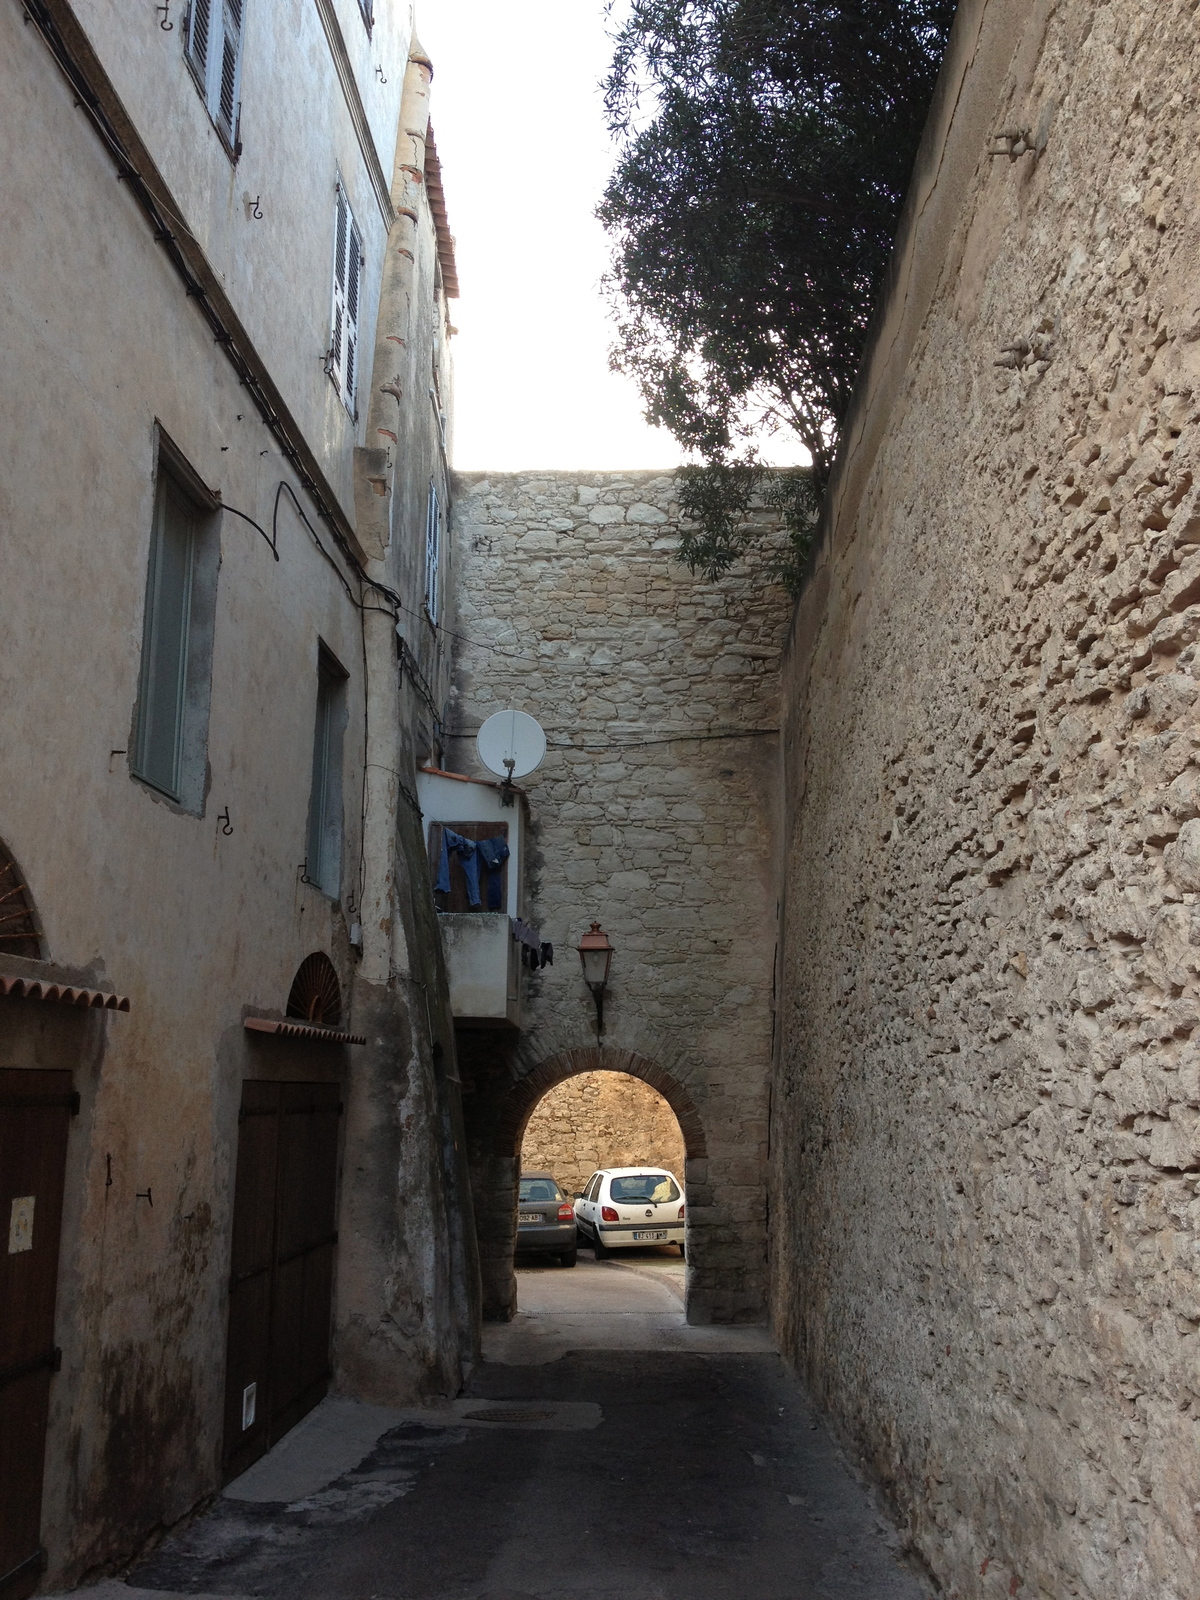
[987, 1115]
[601, 1119]
[653, 813]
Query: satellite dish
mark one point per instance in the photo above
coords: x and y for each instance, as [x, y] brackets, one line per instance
[511, 744]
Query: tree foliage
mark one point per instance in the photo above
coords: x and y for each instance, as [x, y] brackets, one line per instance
[765, 150]
[719, 500]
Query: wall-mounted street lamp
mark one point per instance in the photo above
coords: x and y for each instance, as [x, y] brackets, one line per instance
[595, 955]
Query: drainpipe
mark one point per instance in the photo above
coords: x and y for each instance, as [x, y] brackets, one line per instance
[390, 413]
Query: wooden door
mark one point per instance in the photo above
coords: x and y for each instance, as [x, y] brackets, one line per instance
[281, 1278]
[35, 1115]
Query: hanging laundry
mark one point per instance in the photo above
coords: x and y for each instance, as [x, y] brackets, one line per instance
[465, 849]
[525, 933]
[547, 955]
[493, 853]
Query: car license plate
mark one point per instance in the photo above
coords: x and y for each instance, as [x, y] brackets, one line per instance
[650, 1235]
[530, 1216]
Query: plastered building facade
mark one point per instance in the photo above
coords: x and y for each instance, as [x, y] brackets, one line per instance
[984, 1156]
[222, 470]
[652, 813]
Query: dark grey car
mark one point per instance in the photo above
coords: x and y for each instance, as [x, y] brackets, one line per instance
[545, 1218]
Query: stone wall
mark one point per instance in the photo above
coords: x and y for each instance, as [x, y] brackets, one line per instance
[601, 1119]
[653, 813]
[987, 1229]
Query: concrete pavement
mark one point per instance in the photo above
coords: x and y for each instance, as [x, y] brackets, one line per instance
[604, 1450]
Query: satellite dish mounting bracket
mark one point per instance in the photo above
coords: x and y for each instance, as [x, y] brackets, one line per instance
[511, 744]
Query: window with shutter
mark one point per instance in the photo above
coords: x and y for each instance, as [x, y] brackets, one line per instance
[342, 364]
[433, 552]
[323, 860]
[196, 39]
[213, 48]
[171, 719]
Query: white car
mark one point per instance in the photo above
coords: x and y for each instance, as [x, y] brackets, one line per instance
[625, 1207]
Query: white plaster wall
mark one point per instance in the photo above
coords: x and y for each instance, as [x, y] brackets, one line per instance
[297, 136]
[196, 925]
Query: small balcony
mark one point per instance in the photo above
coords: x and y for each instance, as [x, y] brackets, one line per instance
[477, 903]
[483, 968]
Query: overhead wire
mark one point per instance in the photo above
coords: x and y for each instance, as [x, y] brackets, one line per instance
[169, 227]
[584, 743]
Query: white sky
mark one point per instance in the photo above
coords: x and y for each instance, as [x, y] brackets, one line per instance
[525, 157]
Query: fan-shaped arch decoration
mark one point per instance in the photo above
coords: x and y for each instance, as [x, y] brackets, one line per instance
[316, 994]
[18, 927]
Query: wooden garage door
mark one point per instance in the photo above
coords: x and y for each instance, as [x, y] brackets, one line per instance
[281, 1278]
[35, 1114]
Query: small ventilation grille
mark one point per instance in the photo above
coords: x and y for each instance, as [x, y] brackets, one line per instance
[18, 931]
[316, 994]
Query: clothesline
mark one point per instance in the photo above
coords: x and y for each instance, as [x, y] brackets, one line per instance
[491, 853]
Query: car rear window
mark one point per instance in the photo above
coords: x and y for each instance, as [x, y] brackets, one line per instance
[540, 1189]
[652, 1186]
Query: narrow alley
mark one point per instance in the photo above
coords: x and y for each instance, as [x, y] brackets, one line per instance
[632, 704]
[604, 1450]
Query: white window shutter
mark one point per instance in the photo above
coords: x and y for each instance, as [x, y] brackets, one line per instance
[342, 364]
[228, 73]
[213, 46]
[353, 288]
[337, 340]
[433, 552]
[196, 44]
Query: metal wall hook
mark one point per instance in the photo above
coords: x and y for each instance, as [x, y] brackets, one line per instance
[166, 24]
[255, 208]
[379, 74]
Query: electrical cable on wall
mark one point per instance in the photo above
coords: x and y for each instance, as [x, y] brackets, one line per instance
[168, 228]
[233, 511]
[635, 744]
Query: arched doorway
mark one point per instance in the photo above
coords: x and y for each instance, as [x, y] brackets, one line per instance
[600, 1119]
[284, 1234]
[529, 1089]
[45, 1027]
[496, 1183]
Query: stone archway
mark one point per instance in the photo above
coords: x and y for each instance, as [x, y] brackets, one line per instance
[556, 1069]
[498, 1142]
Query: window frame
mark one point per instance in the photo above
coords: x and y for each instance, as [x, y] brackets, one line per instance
[325, 831]
[210, 65]
[178, 486]
[434, 528]
[342, 363]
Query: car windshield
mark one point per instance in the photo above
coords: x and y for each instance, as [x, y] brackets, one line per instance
[653, 1187]
[536, 1189]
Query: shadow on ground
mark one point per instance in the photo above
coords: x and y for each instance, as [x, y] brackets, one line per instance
[608, 1473]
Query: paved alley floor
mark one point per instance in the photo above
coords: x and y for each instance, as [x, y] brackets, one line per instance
[604, 1450]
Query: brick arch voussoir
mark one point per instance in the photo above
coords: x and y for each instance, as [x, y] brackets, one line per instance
[528, 1090]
